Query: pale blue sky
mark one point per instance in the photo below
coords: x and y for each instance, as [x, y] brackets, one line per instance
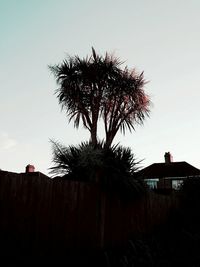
[160, 37]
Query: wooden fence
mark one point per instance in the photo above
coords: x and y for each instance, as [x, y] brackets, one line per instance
[40, 213]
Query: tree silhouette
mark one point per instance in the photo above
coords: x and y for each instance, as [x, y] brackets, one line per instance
[113, 167]
[96, 87]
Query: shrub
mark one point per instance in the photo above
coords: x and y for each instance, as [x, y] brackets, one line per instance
[114, 167]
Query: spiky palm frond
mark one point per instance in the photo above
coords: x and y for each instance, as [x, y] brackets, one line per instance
[95, 87]
[76, 162]
[119, 170]
[64, 159]
[127, 105]
[112, 167]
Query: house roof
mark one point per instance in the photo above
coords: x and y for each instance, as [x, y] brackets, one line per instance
[23, 174]
[172, 169]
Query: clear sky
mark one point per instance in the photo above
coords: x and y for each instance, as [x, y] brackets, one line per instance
[158, 36]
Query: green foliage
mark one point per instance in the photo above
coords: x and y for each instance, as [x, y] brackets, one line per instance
[76, 162]
[113, 167]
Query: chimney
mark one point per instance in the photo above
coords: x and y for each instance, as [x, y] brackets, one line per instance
[168, 157]
[30, 168]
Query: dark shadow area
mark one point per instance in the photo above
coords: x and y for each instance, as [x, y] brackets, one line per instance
[75, 224]
[176, 242]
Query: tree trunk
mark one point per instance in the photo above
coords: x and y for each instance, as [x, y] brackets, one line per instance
[93, 133]
[109, 138]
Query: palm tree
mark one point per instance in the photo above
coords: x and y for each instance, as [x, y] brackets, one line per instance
[126, 104]
[113, 167]
[95, 87]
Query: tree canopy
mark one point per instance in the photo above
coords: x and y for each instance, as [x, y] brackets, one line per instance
[97, 87]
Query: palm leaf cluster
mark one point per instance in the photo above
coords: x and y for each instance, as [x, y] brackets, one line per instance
[96, 87]
[112, 167]
[76, 162]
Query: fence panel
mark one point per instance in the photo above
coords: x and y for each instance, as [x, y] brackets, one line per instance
[37, 211]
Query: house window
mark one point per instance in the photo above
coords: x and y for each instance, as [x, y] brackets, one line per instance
[176, 184]
[152, 183]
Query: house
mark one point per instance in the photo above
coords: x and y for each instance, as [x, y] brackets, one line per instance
[169, 174]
